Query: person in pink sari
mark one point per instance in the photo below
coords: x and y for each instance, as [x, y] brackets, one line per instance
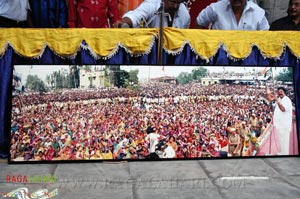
[269, 141]
[276, 138]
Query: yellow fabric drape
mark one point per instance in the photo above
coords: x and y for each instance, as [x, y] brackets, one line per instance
[237, 43]
[65, 42]
[105, 42]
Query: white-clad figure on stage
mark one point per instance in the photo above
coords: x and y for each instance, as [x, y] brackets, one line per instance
[282, 118]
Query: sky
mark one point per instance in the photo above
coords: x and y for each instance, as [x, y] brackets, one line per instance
[145, 72]
[40, 70]
[174, 71]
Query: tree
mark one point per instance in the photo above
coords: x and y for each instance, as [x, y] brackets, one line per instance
[120, 78]
[116, 76]
[48, 79]
[59, 79]
[33, 82]
[111, 71]
[133, 76]
[286, 75]
[198, 73]
[184, 78]
[73, 76]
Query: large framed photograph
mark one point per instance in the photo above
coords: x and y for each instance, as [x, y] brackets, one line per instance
[113, 112]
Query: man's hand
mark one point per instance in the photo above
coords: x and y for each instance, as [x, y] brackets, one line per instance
[117, 24]
[124, 23]
[270, 96]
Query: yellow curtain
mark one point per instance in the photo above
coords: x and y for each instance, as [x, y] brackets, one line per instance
[237, 43]
[105, 42]
[66, 42]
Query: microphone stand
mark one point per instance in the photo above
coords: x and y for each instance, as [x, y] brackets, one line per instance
[161, 33]
[162, 14]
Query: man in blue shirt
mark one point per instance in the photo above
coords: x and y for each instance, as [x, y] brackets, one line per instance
[233, 15]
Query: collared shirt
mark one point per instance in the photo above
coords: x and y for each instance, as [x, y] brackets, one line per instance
[147, 11]
[14, 9]
[283, 119]
[285, 23]
[221, 16]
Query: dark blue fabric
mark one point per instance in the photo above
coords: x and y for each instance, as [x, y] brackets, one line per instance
[5, 102]
[84, 57]
[186, 57]
[297, 94]
[120, 58]
[48, 57]
[49, 13]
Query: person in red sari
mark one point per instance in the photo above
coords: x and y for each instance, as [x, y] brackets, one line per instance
[92, 13]
[50, 153]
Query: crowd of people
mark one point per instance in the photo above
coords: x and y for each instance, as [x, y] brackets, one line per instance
[221, 14]
[192, 121]
[111, 123]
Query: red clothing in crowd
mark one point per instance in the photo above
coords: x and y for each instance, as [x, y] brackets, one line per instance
[195, 7]
[92, 13]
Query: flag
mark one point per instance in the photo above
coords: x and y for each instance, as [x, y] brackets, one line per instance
[265, 71]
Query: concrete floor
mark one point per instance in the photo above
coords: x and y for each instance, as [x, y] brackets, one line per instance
[268, 178]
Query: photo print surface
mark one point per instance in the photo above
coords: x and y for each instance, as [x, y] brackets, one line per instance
[98, 112]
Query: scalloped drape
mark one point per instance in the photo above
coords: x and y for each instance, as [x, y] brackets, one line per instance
[238, 44]
[105, 43]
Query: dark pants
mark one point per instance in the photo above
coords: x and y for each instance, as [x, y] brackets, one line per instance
[152, 156]
[9, 23]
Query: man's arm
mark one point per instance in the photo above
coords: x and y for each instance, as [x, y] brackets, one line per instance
[205, 17]
[264, 24]
[269, 95]
[279, 104]
[144, 11]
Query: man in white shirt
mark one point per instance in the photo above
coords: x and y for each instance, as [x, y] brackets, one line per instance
[14, 13]
[283, 117]
[233, 15]
[176, 15]
[153, 138]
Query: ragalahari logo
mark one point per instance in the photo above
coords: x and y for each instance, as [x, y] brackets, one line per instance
[30, 179]
[22, 193]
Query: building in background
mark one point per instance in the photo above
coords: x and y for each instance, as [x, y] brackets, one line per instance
[164, 79]
[92, 78]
